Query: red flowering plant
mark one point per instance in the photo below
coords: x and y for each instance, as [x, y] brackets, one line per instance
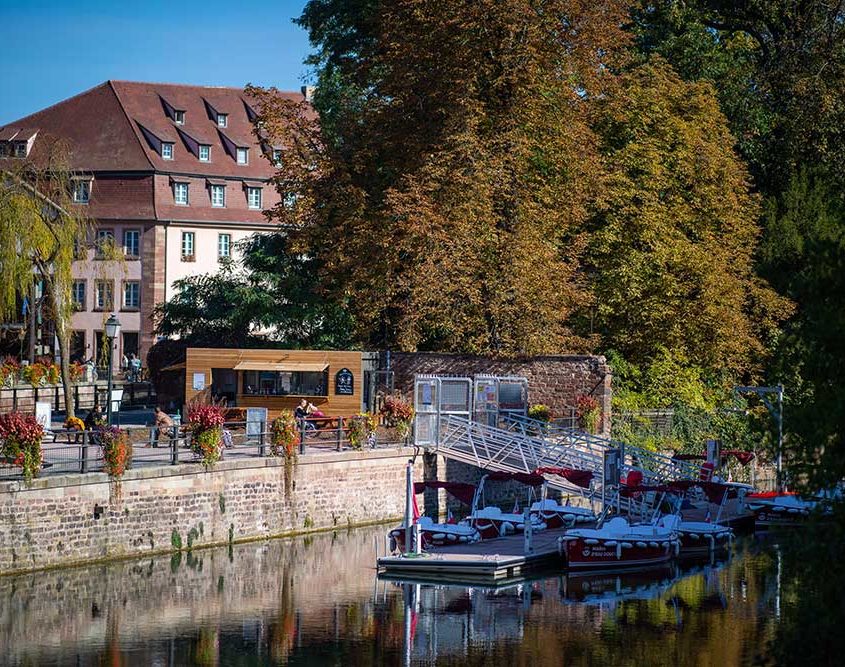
[117, 451]
[588, 410]
[205, 422]
[20, 442]
[397, 412]
[284, 435]
[77, 371]
[9, 370]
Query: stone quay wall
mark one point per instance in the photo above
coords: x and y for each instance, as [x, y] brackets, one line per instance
[72, 519]
[556, 381]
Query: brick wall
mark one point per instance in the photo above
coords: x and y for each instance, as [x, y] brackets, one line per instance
[554, 381]
[72, 518]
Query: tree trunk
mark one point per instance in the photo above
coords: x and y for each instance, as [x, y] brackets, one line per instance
[64, 349]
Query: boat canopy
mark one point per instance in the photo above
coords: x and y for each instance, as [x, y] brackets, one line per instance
[463, 492]
[529, 479]
[580, 478]
[714, 491]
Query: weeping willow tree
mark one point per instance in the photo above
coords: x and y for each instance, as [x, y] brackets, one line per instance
[42, 232]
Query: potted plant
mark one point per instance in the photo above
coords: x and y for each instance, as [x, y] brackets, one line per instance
[588, 411]
[362, 428]
[399, 414]
[20, 442]
[9, 371]
[205, 423]
[540, 412]
[284, 435]
[117, 451]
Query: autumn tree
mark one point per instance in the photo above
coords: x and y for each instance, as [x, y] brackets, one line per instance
[671, 249]
[444, 194]
[41, 233]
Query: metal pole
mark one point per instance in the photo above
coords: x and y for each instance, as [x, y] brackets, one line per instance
[111, 360]
[780, 439]
[409, 507]
[83, 454]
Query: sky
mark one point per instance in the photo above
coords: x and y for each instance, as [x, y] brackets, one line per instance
[52, 50]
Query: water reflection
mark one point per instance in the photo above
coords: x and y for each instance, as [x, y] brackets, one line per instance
[317, 600]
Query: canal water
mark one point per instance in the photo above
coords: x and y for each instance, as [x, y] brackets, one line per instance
[316, 600]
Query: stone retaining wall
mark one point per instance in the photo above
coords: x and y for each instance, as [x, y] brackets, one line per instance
[556, 381]
[71, 519]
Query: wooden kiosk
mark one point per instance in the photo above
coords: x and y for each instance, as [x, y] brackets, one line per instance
[277, 379]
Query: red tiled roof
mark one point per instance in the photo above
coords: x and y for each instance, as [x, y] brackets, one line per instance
[118, 126]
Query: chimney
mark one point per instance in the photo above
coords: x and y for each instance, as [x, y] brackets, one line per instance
[308, 93]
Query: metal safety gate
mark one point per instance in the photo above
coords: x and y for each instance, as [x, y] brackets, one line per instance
[434, 397]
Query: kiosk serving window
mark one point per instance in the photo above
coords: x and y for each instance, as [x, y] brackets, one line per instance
[285, 383]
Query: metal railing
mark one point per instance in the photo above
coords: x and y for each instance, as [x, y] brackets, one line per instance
[79, 452]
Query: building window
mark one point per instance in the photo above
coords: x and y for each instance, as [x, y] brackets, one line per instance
[222, 119]
[167, 150]
[132, 242]
[205, 153]
[179, 117]
[285, 383]
[187, 246]
[253, 197]
[277, 157]
[81, 191]
[78, 295]
[180, 193]
[131, 295]
[224, 246]
[218, 195]
[243, 156]
[20, 149]
[105, 295]
[104, 243]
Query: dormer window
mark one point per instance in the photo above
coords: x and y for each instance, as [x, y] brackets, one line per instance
[243, 155]
[81, 190]
[277, 157]
[166, 150]
[205, 153]
[20, 149]
[222, 120]
[179, 117]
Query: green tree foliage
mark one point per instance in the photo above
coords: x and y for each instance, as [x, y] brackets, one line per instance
[670, 254]
[41, 232]
[805, 255]
[272, 298]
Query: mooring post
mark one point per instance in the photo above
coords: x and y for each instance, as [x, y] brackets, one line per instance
[417, 539]
[409, 509]
[528, 531]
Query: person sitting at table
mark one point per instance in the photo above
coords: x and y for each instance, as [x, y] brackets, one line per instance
[314, 411]
[163, 426]
[302, 412]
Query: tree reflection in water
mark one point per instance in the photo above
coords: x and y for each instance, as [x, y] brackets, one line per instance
[315, 601]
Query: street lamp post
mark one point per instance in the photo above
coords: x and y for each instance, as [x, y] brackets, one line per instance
[112, 331]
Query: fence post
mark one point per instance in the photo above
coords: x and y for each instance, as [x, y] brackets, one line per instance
[302, 432]
[15, 399]
[339, 433]
[174, 445]
[83, 456]
[57, 399]
[76, 398]
[261, 451]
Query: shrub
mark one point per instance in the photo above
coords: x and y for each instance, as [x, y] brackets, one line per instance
[540, 412]
[9, 371]
[20, 442]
